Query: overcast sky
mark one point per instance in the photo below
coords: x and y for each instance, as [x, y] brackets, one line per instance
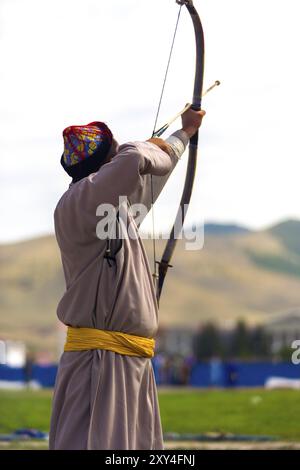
[69, 62]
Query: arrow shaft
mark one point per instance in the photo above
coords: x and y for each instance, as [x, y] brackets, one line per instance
[162, 129]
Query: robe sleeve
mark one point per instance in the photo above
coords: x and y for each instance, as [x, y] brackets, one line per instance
[177, 142]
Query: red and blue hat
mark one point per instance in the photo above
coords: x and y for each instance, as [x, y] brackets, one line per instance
[85, 148]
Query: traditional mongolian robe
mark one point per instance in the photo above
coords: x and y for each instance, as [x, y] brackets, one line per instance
[102, 399]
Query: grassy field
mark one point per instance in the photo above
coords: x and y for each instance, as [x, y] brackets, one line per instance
[252, 412]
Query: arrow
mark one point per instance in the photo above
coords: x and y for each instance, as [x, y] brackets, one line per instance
[162, 129]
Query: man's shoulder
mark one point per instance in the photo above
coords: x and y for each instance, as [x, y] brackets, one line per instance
[62, 200]
[71, 196]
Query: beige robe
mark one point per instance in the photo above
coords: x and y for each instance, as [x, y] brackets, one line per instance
[105, 400]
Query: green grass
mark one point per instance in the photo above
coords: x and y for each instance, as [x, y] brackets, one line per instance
[253, 412]
[24, 409]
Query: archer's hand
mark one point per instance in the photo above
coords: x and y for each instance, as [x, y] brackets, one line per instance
[191, 121]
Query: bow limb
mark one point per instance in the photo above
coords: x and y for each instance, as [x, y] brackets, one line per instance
[164, 264]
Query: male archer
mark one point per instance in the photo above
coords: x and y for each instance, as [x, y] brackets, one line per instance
[105, 394]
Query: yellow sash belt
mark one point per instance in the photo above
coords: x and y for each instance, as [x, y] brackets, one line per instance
[81, 339]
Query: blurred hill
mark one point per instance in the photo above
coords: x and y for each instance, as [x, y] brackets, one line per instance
[238, 274]
[224, 229]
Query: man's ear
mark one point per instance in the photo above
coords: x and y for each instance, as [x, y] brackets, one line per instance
[161, 144]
